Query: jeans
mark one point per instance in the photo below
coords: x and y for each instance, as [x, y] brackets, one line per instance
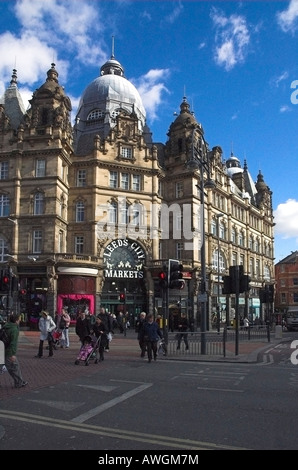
[13, 368]
[40, 349]
[184, 337]
[65, 338]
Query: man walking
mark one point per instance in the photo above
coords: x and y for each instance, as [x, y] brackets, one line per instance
[11, 361]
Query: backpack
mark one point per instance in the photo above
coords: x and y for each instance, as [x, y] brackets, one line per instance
[4, 337]
[62, 323]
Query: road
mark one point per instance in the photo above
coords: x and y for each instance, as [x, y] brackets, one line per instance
[126, 404]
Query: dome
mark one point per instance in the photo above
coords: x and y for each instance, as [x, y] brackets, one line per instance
[102, 101]
[233, 165]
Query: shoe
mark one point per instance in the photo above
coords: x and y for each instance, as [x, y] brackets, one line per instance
[186, 349]
[23, 384]
[107, 350]
[38, 356]
[96, 361]
[50, 355]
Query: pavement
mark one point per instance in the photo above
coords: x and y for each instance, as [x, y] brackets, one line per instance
[49, 371]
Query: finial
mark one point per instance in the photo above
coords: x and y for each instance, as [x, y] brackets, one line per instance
[113, 48]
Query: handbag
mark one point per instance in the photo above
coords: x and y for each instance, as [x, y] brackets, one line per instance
[110, 337]
[50, 337]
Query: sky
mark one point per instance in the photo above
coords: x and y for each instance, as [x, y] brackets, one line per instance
[235, 61]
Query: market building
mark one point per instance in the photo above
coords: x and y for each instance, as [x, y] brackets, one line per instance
[95, 209]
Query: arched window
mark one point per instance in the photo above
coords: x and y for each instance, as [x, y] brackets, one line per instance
[95, 114]
[113, 210]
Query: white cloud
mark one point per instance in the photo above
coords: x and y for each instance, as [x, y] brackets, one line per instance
[288, 19]
[151, 86]
[286, 219]
[232, 39]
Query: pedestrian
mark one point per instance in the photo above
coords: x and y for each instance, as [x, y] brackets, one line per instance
[182, 329]
[46, 325]
[139, 330]
[82, 326]
[99, 331]
[63, 325]
[151, 334]
[108, 322]
[246, 323]
[11, 361]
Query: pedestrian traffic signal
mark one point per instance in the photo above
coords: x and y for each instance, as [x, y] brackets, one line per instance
[226, 285]
[122, 297]
[244, 283]
[163, 279]
[175, 275]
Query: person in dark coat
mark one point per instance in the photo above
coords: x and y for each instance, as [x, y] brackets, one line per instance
[183, 327]
[151, 334]
[108, 322]
[99, 330]
[139, 330]
[82, 326]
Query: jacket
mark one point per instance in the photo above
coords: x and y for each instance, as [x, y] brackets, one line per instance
[13, 332]
[45, 325]
[82, 328]
[151, 331]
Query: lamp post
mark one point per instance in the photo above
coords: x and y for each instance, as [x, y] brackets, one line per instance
[218, 273]
[199, 161]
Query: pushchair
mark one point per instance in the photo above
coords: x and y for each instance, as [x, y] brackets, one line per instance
[88, 350]
[57, 335]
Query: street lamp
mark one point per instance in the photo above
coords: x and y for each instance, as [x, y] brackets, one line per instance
[218, 273]
[200, 161]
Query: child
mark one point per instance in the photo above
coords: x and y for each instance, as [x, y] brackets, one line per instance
[85, 350]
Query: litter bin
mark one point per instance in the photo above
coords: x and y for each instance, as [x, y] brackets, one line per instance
[278, 332]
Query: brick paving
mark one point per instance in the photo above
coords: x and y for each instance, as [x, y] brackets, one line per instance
[49, 371]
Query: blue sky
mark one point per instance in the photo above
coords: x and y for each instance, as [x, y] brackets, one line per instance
[236, 62]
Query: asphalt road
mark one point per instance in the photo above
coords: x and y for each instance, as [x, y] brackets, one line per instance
[125, 404]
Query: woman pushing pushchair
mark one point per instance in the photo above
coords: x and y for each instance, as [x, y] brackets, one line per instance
[99, 331]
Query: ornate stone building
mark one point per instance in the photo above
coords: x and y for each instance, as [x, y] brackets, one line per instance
[98, 208]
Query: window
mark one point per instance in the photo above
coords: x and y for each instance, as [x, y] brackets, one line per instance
[81, 178]
[213, 227]
[38, 207]
[125, 181]
[179, 189]
[3, 170]
[295, 281]
[222, 231]
[179, 250]
[295, 297]
[37, 241]
[233, 235]
[113, 179]
[240, 239]
[113, 213]
[40, 168]
[61, 241]
[79, 245]
[218, 258]
[80, 211]
[126, 152]
[135, 214]
[266, 273]
[4, 206]
[136, 182]
[95, 114]
[283, 298]
[258, 270]
[123, 213]
[3, 250]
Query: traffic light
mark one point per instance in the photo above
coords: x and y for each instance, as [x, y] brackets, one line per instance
[163, 279]
[5, 281]
[175, 275]
[23, 300]
[244, 283]
[271, 293]
[122, 297]
[226, 285]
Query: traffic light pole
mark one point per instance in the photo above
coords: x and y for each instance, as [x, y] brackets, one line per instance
[237, 280]
[165, 315]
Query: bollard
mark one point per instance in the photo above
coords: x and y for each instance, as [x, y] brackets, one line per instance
[278, 332]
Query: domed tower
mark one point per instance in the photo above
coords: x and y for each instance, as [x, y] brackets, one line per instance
[102, 101]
